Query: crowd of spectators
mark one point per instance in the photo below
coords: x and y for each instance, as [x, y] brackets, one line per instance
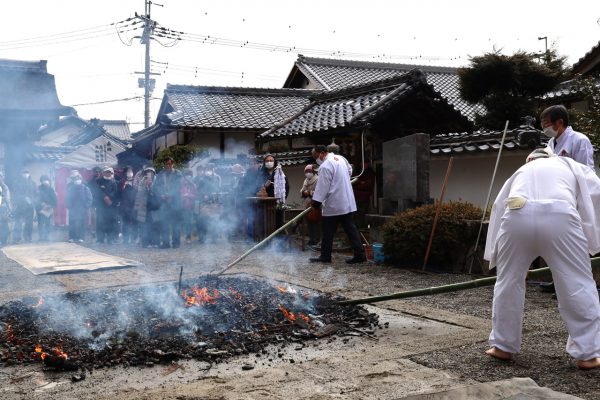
[150, 208]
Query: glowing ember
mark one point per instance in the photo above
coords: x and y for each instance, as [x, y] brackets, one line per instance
[9, 335]
[288, 314]
[286, 289]
[57, 352]
[199, 297]
[235, 294]
[39, 303]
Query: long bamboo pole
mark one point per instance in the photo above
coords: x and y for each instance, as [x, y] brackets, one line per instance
[455, 287]
[487, 199]
[437, 212]
[271, 236]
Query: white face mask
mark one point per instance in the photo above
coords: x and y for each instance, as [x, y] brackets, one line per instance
[130, 175]
[319, 161]
[78, 181]
[308, 175]
[269, 164]
[208, 173]
[550, 132]
[47, 183]
[26, 176]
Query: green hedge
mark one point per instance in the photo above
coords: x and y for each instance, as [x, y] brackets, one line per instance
[405, 238]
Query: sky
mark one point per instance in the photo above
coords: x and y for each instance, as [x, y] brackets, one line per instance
[254, 43]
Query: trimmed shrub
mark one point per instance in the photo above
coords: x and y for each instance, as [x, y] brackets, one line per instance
[405, 238]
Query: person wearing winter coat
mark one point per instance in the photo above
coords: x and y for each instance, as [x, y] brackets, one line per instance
[45, 207]
[313, 219]
[208, 184]
[275, 183]
[126, 203]
[25, 197]
[146, 208]
[106, 224]
[168, 188]
[188, 200]
[5, 211]
[78, 202]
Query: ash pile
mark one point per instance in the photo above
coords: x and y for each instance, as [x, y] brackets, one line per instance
[207, 319]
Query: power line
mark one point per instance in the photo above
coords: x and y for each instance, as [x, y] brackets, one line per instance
[63, 41]
[214, 40]
[113, 101]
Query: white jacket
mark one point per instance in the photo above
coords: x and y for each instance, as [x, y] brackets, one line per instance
[585, 195]
[574, 145]
[334, 189]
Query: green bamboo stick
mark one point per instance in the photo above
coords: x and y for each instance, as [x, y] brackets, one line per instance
[271, 236]
[265, 240]
[455, 287]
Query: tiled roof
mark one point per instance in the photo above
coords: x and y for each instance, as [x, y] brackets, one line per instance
[47, 153]
[351, 107]
[117, 128]
[229, 107]
[27, 86]
[587, 62]
[522, 138]
[75, 131]
[330, 74]
[563, 91]
[287, 158]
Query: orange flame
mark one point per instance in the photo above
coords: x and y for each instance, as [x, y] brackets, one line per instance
[199, 297]
[281, 289]
[288, 314]
[39, 303]
[304, 317]
[39, 352]
[57, 351]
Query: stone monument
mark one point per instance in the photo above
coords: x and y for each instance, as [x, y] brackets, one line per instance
[405, 173]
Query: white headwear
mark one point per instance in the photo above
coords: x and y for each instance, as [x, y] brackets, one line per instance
[539, 153]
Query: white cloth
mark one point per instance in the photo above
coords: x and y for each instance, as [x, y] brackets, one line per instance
[548, 225]
[279, 183]
[574, 145]
[334, 189]
[585, 197]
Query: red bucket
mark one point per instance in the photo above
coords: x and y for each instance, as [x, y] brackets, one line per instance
[368, 251]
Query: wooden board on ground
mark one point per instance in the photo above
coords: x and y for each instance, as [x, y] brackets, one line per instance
[46, 258]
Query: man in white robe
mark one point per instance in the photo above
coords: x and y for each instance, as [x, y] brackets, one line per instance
[565, 142]
[334, 195]
[548, 208]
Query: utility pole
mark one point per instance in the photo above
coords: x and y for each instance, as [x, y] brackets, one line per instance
[147, 84]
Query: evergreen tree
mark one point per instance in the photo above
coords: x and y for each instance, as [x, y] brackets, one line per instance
[588, 121]
[507, 86]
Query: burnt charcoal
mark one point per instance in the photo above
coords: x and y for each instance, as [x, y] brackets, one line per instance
[208, 319]
[60, 363]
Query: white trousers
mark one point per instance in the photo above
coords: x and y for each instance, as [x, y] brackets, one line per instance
[552, 230]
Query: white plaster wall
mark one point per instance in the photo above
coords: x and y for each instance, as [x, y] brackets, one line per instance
[208, 140]
[238, 143]
[471, 175]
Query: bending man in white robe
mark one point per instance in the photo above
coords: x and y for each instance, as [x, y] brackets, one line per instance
[547, 209]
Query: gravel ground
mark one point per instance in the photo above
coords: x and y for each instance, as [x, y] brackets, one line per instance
[543, 357]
